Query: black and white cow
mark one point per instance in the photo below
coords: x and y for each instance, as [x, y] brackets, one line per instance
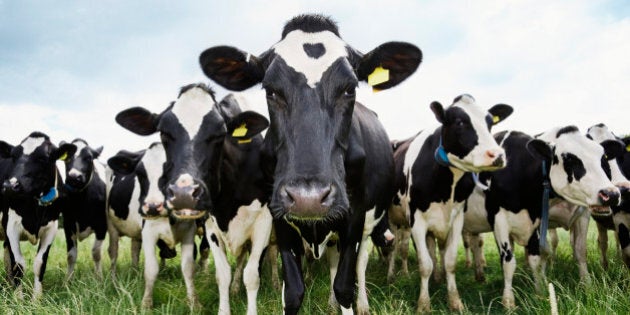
[84, 203]
[30, 191]
[158, 228]
[433, 180]
[619, 221]
[329, 157]
[212, 165]
[578, 172]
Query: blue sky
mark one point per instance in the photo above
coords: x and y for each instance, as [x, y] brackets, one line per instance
[67, 67]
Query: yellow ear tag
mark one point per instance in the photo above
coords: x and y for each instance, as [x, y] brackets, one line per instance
[241, 131]
[496, 119]
[64, 156]
[380, 75]
[628, 148]
[244, 141]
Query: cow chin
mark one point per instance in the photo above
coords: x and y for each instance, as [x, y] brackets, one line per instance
[188, 214]
[466, 166]
[600, 211]
[314, 215]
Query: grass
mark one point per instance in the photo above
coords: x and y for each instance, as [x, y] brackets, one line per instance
[85, 294]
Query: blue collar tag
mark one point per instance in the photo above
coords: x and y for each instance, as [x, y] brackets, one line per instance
[441, 156]
[48, 198]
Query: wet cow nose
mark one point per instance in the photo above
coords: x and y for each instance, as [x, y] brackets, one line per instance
[184, 197]
[11, 186]
[153, 208]
[609, 197]
[309, 200]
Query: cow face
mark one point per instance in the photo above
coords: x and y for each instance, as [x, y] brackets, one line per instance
[33, 172]
[600, 133]
[578, 170]
[80, 166]
[147, 166]
[193, 132]
[465, 135]
[310, 77]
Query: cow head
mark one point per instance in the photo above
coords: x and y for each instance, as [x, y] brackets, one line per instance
[578, 167]
[193, 131]
[147, 165]
[466, 141]
[34, 172]
[310, 77]
[600, 133]
[80, 166]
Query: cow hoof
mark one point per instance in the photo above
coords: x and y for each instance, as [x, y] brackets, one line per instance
[424, 305]
[508, 303]
[455, 304]
[362, 310]
[147, 303]
[480, 277]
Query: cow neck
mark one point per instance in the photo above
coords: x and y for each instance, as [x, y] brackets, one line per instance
[52, 194]
[544, 219]
[441, 157]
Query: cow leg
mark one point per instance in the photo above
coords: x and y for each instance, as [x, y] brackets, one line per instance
[404, 251]
[419, 234]
[345, 279]
[136, 244]
[466, 238]
[47, 236]
[437, 268]
[151, 267]
[622, 230]
[363, 306]
[251, 273]
[508, 261]
[12, 243]
[235, 286]
[332, 257]
[112, 250]
[476, 247]
[188, 262]
[291, 251]
[71, 248]
[534, 260]
[391, 257]
[96, 253]
[272, 258]
[223, 272]
[449, 260]
[204, 253]
[602, 241]
[579, 233]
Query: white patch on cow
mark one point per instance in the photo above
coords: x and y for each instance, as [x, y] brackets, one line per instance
[190, 109]
[292, 52]
[476, 215]
[80, 145]
[30, 144]
[13, 180]
[184, 180]
[583, 192]
[14, 234]
[347, 311]
[478, 159]
[132, 226]
[410, 157]
[153, 161]
[600, 134]
[47, 236]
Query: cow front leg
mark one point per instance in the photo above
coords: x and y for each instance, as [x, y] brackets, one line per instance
[151, 267]
[535, 262]
[71, 248]
[251, 275]
[112, 249]
[449, 260]
[97, 252]
[506, 254]
[235, 286]
[391, 257]
[223, 272]
[363, 306]
[188, 263]
[579, 233]
[622, 231]
[47, 236]
[332, 257]
[476, 247]
[18, 263]
[602, 241]
[136, 244]
[204, 253]
[425, 263]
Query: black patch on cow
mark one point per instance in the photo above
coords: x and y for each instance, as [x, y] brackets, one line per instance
[214, 239]
[606, 166]
[624, 236]
[459, 137]
[165, 251]
[573, 166]
[120, 195]
[310, 23]
[567, 129]
[506, 253]
[314, 50]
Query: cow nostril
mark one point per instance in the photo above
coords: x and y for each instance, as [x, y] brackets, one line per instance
[491, 154]
[170, 192]
[327, 196]
[197, 191]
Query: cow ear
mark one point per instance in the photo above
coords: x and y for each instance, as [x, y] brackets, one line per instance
[438, 111]
[138, 120]
[613, 148]
[231, 68]
[540, 149]
[64, 151]
[125, 162]
[5, 150]
[246, 125]
[389, 64]
[97, 152]
[500, 112]
[626, 141]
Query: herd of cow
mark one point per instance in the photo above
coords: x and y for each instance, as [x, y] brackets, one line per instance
[324, 179]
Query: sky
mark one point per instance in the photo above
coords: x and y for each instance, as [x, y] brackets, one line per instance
[68, 67]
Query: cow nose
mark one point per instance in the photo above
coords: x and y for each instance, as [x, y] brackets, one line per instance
[624, 189]
[79, 177]
[499, 160]
[184, 197]
[609, 197]
[153, 208]
[310, 201]
[11, 186]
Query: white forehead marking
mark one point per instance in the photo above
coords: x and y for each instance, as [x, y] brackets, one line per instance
[600, 133]
[191, 107]
[153, 161]
[80, 145]
[30, 144]
[291, 49]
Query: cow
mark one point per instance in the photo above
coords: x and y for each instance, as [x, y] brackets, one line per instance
[31, 210]
[571, 165]
[327, 155]
[158, 228]
[84, 205]
[212, 166]
[433, 181]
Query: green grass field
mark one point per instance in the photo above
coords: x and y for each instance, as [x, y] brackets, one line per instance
[85, 294]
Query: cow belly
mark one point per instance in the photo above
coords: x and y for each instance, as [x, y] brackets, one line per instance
[521, 226]
[439, 218]
[132, 227]
[476, 216]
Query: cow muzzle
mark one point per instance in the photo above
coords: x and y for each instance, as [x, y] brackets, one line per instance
[151, 210]
[309, 203]
[183, 199]
[12, 187]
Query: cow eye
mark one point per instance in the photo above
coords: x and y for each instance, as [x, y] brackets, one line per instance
[350, 91]
[459, 123]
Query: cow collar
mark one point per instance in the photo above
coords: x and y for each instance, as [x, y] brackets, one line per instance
[47, 199]
[544, 219]
[441, 156]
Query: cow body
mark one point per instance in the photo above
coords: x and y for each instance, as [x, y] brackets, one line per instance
[433, 181]
[512, 206]
[212, 166]
[84, 204]
[328, 157]
[30, 191]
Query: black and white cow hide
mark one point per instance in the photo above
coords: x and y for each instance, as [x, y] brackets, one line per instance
[84, 207]
[31, 209]
[212, 166]
[433, 180]
[577, 170]
[329, 158]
